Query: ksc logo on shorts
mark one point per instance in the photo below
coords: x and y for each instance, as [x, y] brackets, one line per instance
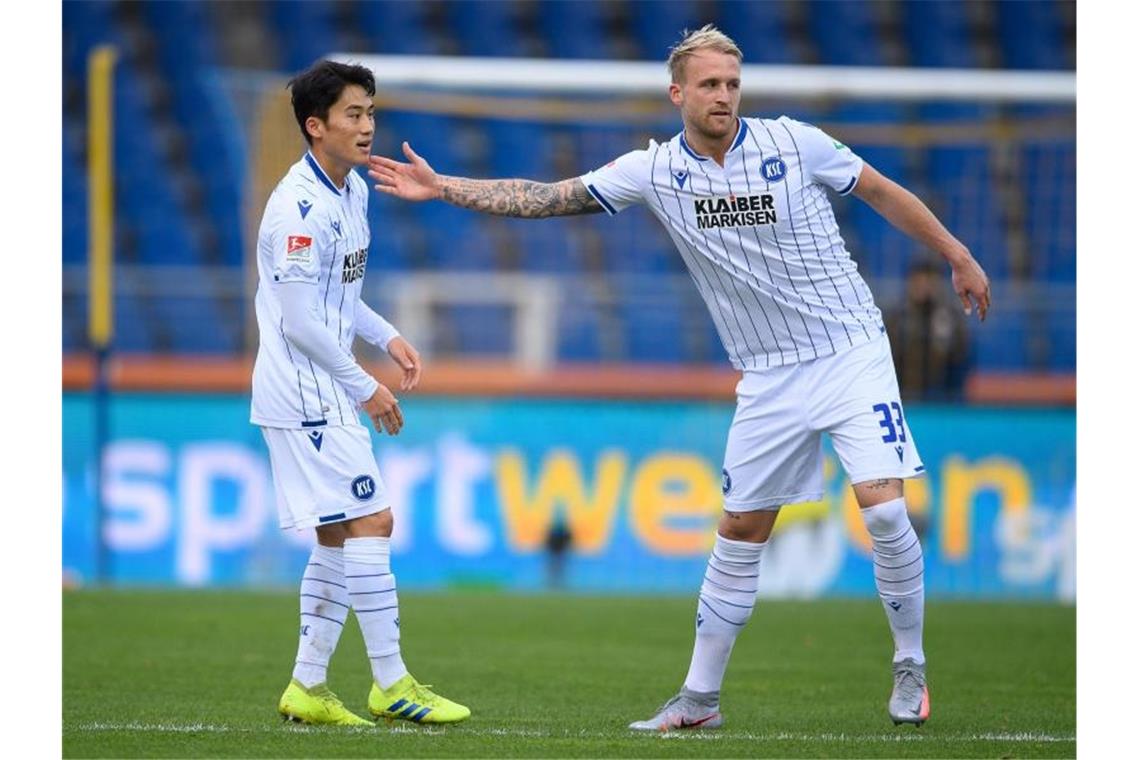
[774, 169]
[363, 488]
[725, 482]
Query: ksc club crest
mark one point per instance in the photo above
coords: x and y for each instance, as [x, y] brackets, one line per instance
[725, 482]
[773, 169]
[363, 488]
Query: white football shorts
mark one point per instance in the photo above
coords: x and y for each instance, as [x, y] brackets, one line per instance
[324, 475]
[774, 454]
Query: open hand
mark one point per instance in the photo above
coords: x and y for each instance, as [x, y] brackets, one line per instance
[415, 181]
[408, 358]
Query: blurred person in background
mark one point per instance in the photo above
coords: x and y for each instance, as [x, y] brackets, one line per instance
[308, 391]
[929, 338]
[745, 202]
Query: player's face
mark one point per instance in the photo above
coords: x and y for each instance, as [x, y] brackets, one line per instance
[346, 136]
[709, 93]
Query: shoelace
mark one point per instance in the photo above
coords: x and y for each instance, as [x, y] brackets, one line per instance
[909, 682]
[422, 693]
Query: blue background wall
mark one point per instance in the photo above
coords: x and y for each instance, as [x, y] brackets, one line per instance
[475, 485]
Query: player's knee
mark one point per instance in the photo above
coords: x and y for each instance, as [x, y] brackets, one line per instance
[375, 524]
[754, 527]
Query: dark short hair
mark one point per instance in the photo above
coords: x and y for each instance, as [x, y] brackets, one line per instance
[316, 89]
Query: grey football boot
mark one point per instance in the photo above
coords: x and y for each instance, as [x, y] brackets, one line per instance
[910, 699]
[689, 709]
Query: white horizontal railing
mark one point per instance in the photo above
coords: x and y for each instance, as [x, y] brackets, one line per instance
[651, 78]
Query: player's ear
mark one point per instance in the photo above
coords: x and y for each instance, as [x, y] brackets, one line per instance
[675, 94]
[315, 127]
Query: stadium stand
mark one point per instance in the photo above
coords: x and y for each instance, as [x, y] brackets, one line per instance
[181, 168]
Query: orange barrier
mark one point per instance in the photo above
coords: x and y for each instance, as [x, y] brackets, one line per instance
[203, 374]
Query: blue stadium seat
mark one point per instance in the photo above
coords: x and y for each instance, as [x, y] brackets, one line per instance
[1051, 213]
[519, 149]
[762, 30]
[396, 27]
[962, 178]
[166, 241]
[574, 30]
[938, 33]
[579, 328]
[653, 323]
[1030, 35]
[481, 330]
[1003, 343]
[194, 322]
[134, 326]
[1060, 325]
[845, 32]
[548, 245]
[657, 24]
[308, 31]
[484, 29]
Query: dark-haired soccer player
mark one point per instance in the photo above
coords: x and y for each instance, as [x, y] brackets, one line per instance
[745, 202]
[308, 390]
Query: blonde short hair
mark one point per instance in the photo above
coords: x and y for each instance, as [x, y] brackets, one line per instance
[707, 37]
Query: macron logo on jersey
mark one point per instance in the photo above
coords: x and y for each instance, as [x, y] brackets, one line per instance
[735, 211]
[299, 248]
[304, 206]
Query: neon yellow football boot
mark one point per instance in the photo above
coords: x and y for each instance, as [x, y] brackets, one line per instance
[408, 699]
[316, 705]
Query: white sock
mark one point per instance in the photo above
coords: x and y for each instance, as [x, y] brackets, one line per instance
[324, 608]
[372, 589]
[898, 575]
[724, 605]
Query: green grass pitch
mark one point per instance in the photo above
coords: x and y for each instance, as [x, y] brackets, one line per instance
[198, 674]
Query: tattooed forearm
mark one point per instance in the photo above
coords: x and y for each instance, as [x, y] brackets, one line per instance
[519, 197]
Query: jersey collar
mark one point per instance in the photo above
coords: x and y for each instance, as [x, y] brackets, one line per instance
[324, 178]
[741, 133]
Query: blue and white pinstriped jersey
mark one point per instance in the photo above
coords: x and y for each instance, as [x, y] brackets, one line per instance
[758, 235]
[313, 232]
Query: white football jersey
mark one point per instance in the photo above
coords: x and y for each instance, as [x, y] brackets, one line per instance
[311, 232]
[758, 235]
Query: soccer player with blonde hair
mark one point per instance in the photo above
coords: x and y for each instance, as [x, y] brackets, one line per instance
[745, 202]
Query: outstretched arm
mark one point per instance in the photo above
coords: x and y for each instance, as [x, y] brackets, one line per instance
[907, 213]
[417, 181]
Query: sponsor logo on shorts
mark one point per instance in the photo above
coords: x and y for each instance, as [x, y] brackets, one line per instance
[725, 482]
[363, 488]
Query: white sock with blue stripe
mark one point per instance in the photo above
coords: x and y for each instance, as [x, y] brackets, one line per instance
[372, 591]
[724, 606]
[898, 575]
[324, 608]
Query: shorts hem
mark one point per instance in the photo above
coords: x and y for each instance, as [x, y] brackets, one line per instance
[332, 518]
[856, 479]
[772, 502]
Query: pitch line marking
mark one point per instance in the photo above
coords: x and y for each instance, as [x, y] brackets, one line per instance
[208, 728]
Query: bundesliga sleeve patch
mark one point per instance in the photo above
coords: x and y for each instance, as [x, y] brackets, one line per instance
[299, 249]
